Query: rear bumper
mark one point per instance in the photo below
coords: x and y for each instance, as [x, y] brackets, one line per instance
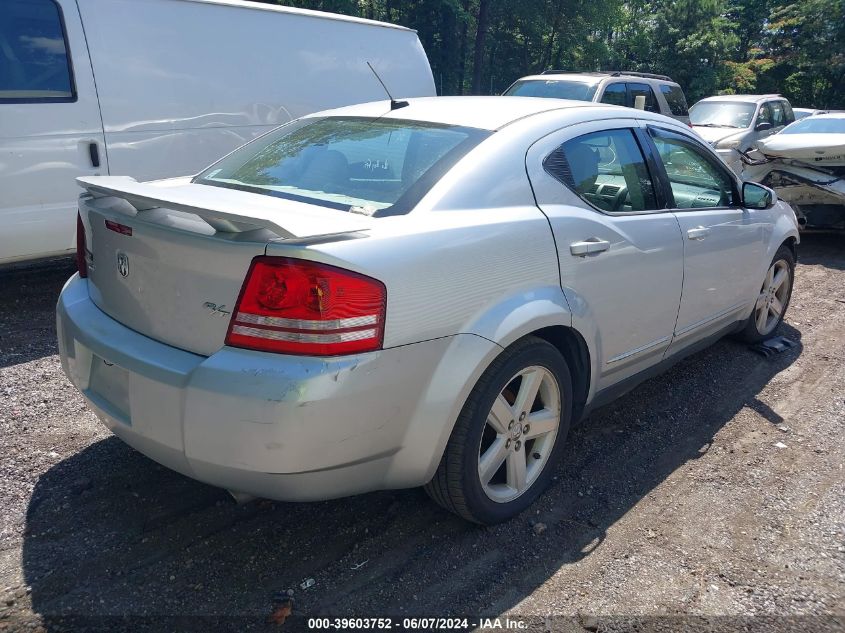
[281, 427]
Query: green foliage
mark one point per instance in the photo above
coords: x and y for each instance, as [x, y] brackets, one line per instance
[795, 47]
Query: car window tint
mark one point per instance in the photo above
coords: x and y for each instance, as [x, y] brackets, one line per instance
[614, 94]
[695, 180]
[676, 99]
[778, 115]
[606, 169]
[33, 52]
[789, 115]
[646, 91]
[765, 115]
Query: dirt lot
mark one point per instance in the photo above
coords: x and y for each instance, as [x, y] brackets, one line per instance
[716, 489]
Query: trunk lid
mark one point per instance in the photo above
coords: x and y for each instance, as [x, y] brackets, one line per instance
[168, 259]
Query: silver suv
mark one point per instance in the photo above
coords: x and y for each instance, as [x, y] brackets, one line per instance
[657, 93]
[737, 122]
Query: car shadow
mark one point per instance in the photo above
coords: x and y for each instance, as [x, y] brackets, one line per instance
[28, 297]
[112, 540]
[823, 248]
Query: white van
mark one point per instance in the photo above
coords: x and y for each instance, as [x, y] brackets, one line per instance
[155, 88]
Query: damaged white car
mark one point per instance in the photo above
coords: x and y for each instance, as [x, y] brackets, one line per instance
[805, 163]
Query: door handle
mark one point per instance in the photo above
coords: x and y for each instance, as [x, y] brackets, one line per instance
[698, 233]
[94, 154]
[592, 245]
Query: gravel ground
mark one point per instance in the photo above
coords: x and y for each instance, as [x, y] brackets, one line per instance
[716, 490]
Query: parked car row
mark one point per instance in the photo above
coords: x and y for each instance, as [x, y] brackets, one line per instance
[804, 162]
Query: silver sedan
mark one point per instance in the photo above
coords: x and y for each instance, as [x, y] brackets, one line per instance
[423, 293]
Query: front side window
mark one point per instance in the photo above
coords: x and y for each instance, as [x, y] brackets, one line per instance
[552, 88]
[765, 115]
[34, 58]
[727, 114]
[359, 164]
[676, 99]
[778, 114]
[606, 169]
[696, 182]
[645, 91]
[615, 94]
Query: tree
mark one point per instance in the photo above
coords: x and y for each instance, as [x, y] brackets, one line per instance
[796, 47]
[482, 23]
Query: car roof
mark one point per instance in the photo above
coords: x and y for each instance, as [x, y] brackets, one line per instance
[589, 78]
[488, 113]
[597, 77]
[744, 98]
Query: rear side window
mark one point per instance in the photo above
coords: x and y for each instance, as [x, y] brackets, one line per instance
[606, 169]
[615, 94]
[34, 60]
[645, 91]
[676, 99]
[789, 115]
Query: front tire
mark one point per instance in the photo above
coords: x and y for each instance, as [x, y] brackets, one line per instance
[509, 436]
[773, 300]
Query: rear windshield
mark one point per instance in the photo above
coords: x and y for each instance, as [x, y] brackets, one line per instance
[553, 88]
[816, 125]
[676, 99]
[364, 165]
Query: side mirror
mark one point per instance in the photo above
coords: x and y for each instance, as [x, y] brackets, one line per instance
[756, 196]
[763, 126]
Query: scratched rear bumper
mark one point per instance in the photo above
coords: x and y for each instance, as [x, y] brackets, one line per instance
[282, 427]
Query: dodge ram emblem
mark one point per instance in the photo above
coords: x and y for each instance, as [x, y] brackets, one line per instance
[123, 264]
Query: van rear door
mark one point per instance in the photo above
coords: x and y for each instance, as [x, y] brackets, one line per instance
[50, 126]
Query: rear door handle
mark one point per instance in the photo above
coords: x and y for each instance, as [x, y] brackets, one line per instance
[592, 245]
[698, 233]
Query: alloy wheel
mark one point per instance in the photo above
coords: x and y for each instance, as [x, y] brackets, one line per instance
[773, 298]
[519, 435]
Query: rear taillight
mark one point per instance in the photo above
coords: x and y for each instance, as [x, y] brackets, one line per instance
[81, 261]
[294, 306]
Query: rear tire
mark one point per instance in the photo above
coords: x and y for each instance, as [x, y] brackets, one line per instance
[509, 436]
[773, 299]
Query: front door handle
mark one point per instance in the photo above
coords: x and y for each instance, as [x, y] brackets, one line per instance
[698, 233]
[592, 245]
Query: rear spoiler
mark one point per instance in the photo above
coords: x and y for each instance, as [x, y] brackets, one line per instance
[228, 210]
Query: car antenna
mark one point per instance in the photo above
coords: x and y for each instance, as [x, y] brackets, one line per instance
[394, 104]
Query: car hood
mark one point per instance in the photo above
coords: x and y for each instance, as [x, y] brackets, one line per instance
[713, 134]
[813, 144]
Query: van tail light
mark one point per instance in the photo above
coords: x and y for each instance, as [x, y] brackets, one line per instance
[81, 247]
[295, 306]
